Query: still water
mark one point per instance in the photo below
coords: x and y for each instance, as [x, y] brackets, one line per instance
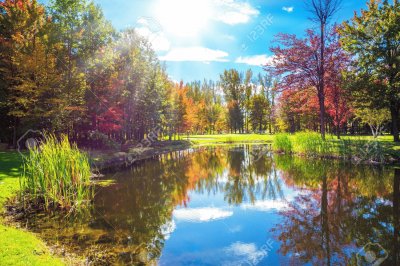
[237, 205]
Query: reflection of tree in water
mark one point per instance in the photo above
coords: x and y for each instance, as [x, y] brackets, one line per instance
[249, 179]
[337, 212]
[232, 172]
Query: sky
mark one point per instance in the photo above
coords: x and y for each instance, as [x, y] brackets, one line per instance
[198, 39]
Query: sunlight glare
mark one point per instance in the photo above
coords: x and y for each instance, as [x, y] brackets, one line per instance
[183, 17]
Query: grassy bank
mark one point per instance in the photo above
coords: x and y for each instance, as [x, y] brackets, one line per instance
[17, 246]
[356, 148]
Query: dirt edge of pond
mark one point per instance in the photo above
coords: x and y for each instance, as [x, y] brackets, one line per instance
[114, 160]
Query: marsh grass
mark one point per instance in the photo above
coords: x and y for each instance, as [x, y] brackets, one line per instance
[282, 143]
[57, 174]
[311, 144]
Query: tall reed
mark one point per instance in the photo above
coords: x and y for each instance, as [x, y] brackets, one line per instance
[312, 144]
[282, 143]
[58, 174]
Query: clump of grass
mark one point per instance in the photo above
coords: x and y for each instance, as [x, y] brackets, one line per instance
[312, 144]
[58, 174]
[282, 143]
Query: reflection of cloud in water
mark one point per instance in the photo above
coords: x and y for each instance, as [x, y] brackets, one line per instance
[265, 205]
[201, 214]
[244, 252]
[235, 229]
[168, 228]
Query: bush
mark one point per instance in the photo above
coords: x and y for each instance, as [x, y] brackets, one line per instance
[282, 143]
[58, 174]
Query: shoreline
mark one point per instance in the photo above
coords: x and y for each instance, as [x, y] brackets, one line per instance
[116, 160]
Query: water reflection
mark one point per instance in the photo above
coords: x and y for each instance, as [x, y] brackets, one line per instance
[220, 205]
[341, 209]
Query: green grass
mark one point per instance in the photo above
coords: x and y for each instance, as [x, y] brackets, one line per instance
[228, 138]
[282, 143]
[18, 247]
[58, 173]
[311, 143]
[359, 148]
[10, 169]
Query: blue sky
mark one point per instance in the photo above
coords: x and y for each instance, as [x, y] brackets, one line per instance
[198, 39]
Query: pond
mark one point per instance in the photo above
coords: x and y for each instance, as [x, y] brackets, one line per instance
[236, 205]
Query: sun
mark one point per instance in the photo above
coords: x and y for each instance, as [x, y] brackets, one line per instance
[183, 17]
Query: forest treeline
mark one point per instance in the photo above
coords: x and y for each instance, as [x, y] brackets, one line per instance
[65, 69]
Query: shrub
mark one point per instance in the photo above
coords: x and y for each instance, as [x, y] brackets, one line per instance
[370, 151]
[58, 174]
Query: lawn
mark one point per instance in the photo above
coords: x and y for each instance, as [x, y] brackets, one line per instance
[17, 246]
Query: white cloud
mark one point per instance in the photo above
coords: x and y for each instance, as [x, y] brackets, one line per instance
[196, 53]
[201, 214]
[152, 30]
[265, 205]
[288, 9]
[228, 37]
[234, 12]
[255, 60]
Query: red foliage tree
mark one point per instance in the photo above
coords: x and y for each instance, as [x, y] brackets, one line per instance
[296, 61]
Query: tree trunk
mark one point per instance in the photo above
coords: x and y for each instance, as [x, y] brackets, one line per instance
[394, 112]
[14, 139]
[322, 115]
[321, 91]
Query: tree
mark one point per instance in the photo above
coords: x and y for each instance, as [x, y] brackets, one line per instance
[29, 78]
[298, 62]
[259, 111]
[231, 84]
[248, 92]
[374, 118]
[322, 11]
[373, 38]
[268, 89]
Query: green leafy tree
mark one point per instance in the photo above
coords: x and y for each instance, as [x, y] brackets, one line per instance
[29, 79]
[259, 111]
[373, 37]
[375, 118]
[230, 82]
